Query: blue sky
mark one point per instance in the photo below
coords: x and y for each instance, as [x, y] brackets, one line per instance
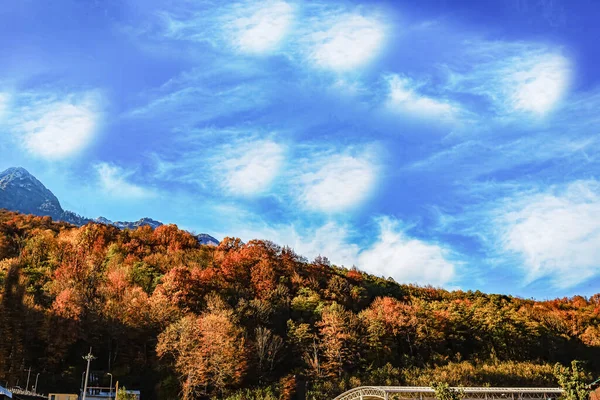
[452, 143]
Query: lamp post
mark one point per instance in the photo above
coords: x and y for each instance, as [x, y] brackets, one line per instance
[110, 395]
[36, 380]
[28, 374]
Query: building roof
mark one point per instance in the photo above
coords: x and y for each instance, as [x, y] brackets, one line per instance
[5, 392]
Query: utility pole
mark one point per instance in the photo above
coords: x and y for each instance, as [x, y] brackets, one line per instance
[82, 377]
[89, 357]
[29, 373]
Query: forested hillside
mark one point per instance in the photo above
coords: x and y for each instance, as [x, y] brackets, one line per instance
[177, 319]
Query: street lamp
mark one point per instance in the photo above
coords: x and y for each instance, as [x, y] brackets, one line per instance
[110, 395]
[28, 374]
[36, 380]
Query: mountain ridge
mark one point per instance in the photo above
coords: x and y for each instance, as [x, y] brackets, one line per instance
[21, 191]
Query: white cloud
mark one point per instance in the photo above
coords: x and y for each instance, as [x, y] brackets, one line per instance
[351, 42]
[249, 168]
[404, 97]
[113, 181]
[340, 182]
[556, 233]
[264, 29]
[406, 259]
[56, 129]
[538, 85]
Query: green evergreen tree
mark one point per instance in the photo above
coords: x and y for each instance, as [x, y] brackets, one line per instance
[443, 391]
[573, 380]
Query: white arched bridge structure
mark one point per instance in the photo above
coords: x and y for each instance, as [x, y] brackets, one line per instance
[469, 393]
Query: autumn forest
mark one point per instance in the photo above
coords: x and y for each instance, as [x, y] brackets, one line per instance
[178, 319]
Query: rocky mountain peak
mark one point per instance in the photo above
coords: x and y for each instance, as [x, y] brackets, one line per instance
[206, 239]
[16, 172]
[20, 191]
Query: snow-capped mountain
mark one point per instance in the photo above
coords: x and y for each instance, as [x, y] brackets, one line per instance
[20, 191]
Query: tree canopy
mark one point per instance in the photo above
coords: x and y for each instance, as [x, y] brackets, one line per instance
[175, 318]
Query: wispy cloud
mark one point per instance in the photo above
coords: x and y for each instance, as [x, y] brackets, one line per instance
[260, 27]
[4, 98]
[556, 232]
[203, 94]
[248, 168]
[517, 77]
[113, 181]
[249, 27]
[338, 182]
[463, 160]
[403, 97]
[236, 163]
[56, 127]
[538, 86]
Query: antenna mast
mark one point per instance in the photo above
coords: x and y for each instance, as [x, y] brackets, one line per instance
[89, 357]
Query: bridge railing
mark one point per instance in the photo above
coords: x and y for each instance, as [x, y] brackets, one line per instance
[470, 393]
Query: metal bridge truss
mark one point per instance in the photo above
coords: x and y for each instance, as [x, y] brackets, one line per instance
[469, 393]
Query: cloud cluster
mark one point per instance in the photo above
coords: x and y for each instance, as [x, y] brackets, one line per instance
[318, 74]
[392, 253]
[483, 81]
[555, 232]
[249, 164]
[326, 36]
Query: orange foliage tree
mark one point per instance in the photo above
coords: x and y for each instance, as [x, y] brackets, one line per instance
[208, 350]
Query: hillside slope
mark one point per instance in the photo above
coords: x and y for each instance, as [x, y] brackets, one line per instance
[178, 319]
